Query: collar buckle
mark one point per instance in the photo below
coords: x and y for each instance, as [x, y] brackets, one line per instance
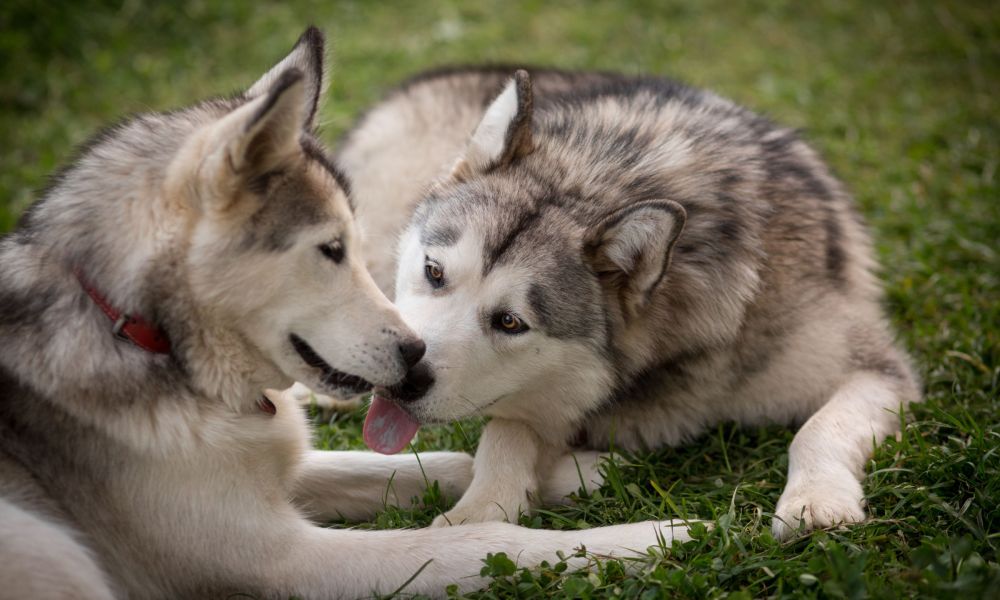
[120, 323]
[136, 330]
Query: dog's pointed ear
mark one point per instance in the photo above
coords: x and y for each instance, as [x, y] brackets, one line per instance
[630, 249]
[308, 57]
[271, 126]
[259, 136]
[504, 134]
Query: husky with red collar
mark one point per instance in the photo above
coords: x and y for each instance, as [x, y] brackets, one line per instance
[181, 265]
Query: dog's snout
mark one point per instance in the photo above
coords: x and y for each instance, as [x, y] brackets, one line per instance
[418, 380]
[412, 351]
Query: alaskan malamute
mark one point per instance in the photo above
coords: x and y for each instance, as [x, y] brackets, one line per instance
[595, 258]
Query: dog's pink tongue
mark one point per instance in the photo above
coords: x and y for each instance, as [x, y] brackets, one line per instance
[388, 428]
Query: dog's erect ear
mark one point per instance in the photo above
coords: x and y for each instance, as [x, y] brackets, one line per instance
[630, 250]
[504, 134]
[307, 56]
[258, 137]
[271, 126]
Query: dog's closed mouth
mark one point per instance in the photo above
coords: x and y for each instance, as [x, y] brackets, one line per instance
[331, 378]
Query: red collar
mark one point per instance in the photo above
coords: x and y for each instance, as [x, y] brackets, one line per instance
[133, 328]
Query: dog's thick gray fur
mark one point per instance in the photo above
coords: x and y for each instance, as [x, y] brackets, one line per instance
[679, 261]
[128, 473]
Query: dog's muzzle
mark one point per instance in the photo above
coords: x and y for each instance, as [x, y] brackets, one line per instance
[418, 381]
[330, 378]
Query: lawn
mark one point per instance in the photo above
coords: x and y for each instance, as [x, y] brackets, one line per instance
[900, 97]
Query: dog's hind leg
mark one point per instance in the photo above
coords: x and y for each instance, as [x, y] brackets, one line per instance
[40, 559]
[328, 563]
[826, 461]
[570, 472]
[354, 485]
[327, 405]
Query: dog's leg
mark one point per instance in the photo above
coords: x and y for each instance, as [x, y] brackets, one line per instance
[326, 404]
[569, 473]
[826, 461]
[40, 559]
[505, 480]
[353, 564]
[354, 485]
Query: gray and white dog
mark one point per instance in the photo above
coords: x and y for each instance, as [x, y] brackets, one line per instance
[183, 263]
[595, 259]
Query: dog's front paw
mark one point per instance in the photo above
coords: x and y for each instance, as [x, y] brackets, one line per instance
[815, 504]
[469, 510]
[633, 538]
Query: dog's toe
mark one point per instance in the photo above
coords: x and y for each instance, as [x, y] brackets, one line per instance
[815, 505]
[480, 512]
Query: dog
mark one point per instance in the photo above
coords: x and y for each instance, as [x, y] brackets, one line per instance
[599, 260]
[184, 262]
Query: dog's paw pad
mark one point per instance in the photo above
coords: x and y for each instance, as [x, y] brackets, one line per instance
[810, 506]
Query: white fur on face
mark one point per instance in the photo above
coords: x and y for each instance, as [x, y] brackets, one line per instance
[270, 294]
[477, 369]
[335, 308]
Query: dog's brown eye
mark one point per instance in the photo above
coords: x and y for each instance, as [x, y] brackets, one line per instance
[434, 273]
[334, 250]
[508, 322]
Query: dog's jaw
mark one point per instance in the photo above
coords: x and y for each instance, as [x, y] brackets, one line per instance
[330, 379]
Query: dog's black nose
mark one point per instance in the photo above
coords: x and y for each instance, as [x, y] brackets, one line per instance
[412, 351]
[418, 380]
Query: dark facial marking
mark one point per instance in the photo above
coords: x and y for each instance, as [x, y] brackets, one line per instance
[441, 237]
[314, 151]
[260, 184]
[540, 305]
[290, 203]
[495, 253]
[569, 307]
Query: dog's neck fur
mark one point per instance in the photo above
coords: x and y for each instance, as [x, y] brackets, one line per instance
[60, 344]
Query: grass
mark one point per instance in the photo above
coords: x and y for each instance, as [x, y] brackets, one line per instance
[902, 100]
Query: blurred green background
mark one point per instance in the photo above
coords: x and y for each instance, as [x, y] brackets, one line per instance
[901, 97]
